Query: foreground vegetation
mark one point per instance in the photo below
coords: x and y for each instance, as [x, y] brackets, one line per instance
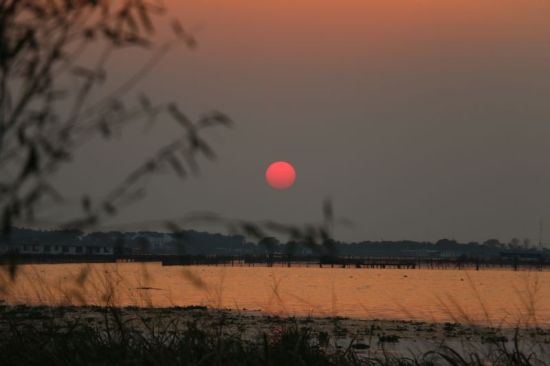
[197, 336]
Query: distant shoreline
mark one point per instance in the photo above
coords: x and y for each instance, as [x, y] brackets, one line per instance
[388, 262]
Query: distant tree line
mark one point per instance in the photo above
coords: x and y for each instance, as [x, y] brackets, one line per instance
[203, 243]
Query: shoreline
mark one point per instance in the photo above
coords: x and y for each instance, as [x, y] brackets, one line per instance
[372, 336]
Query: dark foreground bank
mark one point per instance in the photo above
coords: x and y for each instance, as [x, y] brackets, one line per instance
[198, 336]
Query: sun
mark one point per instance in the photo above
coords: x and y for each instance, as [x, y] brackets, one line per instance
[280, 175]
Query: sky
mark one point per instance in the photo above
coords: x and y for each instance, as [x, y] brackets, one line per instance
[419, 119]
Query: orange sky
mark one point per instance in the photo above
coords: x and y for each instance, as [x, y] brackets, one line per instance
[310, 29]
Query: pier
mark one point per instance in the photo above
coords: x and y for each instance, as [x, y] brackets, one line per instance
[514, 263]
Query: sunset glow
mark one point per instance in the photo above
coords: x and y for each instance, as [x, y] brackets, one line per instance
[149, 153]
[280, 175]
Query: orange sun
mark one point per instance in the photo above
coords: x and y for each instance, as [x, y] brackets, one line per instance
[280, 175]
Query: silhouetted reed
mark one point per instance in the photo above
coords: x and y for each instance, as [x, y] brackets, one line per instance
[40, 335]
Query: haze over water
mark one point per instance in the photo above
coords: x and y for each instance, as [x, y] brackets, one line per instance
[486, 296]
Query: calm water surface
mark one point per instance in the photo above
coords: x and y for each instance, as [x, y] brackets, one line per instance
[436, 295]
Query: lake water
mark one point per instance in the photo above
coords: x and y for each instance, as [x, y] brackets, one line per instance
[487, 296]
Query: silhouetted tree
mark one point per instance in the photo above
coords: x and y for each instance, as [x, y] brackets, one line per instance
[492, 243]
[514, 243]
[291, 247]
[48, 108]
[330, 247]
[270, 246]
[445, 242]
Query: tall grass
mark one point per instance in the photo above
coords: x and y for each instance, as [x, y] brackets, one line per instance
[40, 336]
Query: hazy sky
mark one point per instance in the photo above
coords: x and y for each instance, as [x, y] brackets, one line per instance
[421, 119]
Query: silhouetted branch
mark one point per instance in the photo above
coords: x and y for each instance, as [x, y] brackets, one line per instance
[41, 48]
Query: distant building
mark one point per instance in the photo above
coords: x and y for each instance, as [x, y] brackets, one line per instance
[64, 249]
